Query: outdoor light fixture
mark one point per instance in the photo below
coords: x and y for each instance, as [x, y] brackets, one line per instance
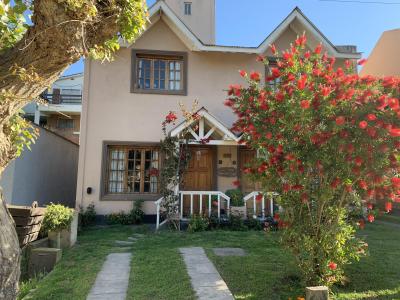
[89, 190]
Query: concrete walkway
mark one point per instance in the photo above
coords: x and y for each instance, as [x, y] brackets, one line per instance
[204, 277]
[113, 279]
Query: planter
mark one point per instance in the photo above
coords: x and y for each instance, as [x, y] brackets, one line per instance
[54, 239]
[239, 211]
[65, 238]
[317, 293]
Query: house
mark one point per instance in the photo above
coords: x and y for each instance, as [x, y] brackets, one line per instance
[61, 108]
[175, 60]
[384, 59]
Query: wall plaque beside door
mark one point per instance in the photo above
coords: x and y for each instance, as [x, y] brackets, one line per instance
[227, 172]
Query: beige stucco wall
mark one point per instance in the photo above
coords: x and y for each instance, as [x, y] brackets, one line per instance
[112, 113]
[202, 20]
[385, 57]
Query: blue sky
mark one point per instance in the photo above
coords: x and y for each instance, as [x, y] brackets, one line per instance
[248, 22]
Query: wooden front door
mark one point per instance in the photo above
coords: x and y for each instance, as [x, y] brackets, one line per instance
[198, 177]
[246, 158]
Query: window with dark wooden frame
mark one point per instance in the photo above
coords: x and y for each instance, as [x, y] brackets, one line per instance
[273, 83]
[159, 73]
[188, 8]
[132, 170]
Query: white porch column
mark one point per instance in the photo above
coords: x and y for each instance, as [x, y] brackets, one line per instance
[263, 207]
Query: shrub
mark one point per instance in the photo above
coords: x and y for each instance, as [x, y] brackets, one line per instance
[236, 196]
[137, 214]
[236, 223]
[87, 217]
[120, 218]
[254, 224]
[57, 217]
[328, 139]
[198, 223]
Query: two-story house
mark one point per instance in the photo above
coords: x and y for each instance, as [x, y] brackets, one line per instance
[175, 60]
[61, 107]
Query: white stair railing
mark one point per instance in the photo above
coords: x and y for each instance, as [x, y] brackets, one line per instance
[208, 195]
[253, 196]
[158, 209]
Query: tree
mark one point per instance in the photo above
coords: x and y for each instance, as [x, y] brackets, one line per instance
[329, 145]
[32, 56]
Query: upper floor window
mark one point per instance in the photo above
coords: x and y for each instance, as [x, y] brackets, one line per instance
[159, 72]
[65, 123]
[273, 83]
[188, 8]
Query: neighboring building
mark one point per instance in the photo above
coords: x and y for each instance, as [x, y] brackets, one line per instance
[46, 173]
[384, 59]
[125, 101]
[63, 107]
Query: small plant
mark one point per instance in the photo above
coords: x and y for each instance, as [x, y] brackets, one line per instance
[236, 223]
[236, 196]
[137, 214]
[120, 218]
[87, 217]
[198, 223]
[57, 218]
[254, 224]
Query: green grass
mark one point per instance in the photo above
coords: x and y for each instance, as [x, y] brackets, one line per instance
[74, 275]
[267, 272]
[389, 218]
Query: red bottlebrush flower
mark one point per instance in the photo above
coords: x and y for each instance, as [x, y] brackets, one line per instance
[229, 103]
[371, 218]
[325, 91]
[371, 117]
[280, 97]
[277, 217]
[394, 103]
[297, 187]
[362, 62]
[289, 157]
[301, 41]
[273, 48]
[349, 188]
[363, 124]
[395, 132]
[361, 223]
[255, 76]
[363, 185]
[370, 206]
[243, 73]
[332, 266]
[286, 187]
[371, 132]
[259, 197]
[358, 161]
[275, 72]
[395, 182]
[153, 172]
[260, 58]
[347, 64]
[236, 183]
[304, 198]
[268, 135]
[335, 183]
[290, 77]
[307, 55]
[305, 104]
[340, 120]
[388, 206]
[171, 117]
[318, 49]
[301, 83]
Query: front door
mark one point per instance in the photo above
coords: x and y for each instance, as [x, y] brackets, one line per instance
[199, 176]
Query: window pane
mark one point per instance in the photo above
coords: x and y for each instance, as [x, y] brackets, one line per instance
[171, 85]
[177, 66]
[178, 75]
[177, 85]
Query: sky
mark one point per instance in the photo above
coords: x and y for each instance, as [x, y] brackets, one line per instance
[343, 22]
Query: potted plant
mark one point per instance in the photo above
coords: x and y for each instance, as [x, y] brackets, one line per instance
[56, 219]
[237, 203]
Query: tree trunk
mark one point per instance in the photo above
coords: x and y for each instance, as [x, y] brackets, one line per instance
[9, 254]
[59, 37]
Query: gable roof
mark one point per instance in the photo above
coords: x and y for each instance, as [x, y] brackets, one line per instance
[161, 9]
[214, 124]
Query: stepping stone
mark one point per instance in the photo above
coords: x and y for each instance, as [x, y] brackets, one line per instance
[113, 279]
[205, 279]
[124, 243]
[133, 239]
[138, 235]
[229, 252]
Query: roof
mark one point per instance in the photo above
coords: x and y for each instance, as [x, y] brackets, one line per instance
[161, 9]
[384, 59]
[80, 74]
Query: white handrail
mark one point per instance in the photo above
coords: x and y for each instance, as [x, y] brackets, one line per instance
[253, 195]
[158, 205]
[201, 194]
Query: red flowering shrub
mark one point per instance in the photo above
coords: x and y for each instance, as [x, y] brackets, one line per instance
[330, 141]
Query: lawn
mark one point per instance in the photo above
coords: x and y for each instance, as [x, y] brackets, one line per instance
[267, 272]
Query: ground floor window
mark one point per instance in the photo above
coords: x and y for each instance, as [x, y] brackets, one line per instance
[132, 170]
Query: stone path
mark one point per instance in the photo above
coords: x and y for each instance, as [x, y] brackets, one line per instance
[113, 279]
[204, 277]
